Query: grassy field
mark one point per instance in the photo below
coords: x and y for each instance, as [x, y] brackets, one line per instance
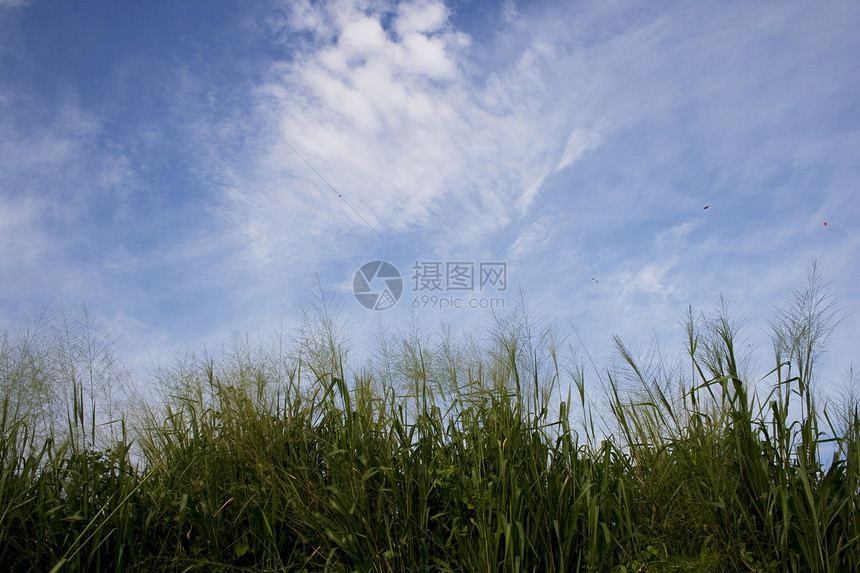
[439, 454]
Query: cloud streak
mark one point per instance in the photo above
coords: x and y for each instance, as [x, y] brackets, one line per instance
[384, 106]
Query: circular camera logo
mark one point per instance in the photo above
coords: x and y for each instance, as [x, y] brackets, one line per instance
[377, 285]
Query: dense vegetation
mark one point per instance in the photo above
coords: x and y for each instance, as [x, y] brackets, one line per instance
[441, 454]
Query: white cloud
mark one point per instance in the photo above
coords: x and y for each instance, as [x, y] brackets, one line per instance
[361, 38]
[581, 141]
[532, 239]
[306, 16]
[21, 238]
[427, 56]
[9, 4]
[672, 236]
[649, 279]
[62, 191]
[400, 123]
[423, 17]
[509, 11]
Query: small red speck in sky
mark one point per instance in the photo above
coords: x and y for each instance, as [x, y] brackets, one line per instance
[825, 223]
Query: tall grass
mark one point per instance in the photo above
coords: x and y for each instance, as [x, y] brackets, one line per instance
[439, 454]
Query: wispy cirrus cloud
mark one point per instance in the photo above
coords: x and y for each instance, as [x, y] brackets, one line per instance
[384, 103]
[534, 237]
[59, 194]
[8, 4]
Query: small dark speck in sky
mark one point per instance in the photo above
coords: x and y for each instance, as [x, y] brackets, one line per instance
[706, 206]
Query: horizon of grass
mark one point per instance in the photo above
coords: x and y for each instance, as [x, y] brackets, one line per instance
[438, 454]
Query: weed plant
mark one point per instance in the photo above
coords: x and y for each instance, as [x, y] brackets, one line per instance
[440, 454]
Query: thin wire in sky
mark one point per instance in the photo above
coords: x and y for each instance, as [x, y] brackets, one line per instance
[542, 174]
[323, 179]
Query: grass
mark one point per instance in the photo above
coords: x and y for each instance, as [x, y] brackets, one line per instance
[441, 454]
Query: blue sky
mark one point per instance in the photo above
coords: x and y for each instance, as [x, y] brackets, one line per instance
[189, 168]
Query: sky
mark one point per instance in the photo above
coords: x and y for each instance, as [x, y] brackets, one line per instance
[190, 169]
